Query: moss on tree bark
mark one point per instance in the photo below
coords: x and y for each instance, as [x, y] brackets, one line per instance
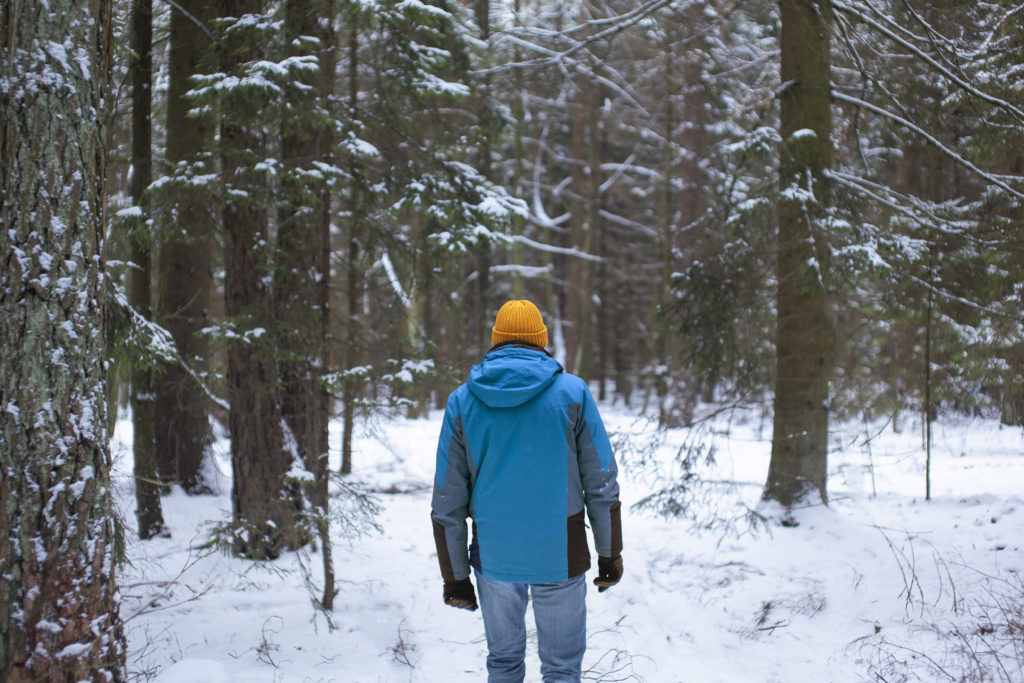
[58, 616]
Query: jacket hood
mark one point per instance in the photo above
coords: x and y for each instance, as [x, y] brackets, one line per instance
[512, 376]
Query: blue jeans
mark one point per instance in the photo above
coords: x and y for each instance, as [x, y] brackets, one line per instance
[560, 611]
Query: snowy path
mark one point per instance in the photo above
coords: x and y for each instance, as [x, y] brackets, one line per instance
[794, 604]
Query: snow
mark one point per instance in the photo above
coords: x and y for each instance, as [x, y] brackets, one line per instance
[878, 572]
[74, 650]
[803, 134]
[195, 671]
[429, 83]
[59, 53]
[417, 6]
[396, 284]
[78, 487]
[796, 193]
[360, 148]
[133, 211]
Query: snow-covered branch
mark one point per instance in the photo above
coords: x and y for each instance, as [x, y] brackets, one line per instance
[998, 181]
[963, 83]
[567, 251]
[618, 25]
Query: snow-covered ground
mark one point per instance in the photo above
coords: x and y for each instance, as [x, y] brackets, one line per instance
[879, 582]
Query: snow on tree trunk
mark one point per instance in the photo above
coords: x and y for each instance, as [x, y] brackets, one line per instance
[805, 336]
[58, 617]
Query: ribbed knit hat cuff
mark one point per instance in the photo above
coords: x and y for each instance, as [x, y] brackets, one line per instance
[538, 338]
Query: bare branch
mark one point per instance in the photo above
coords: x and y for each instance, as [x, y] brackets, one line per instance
[995, 180]
[925, 57]
[191, 18]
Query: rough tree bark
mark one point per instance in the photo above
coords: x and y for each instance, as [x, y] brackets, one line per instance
[264, 501]
[182, 424]
[58, 615]
[148, 511]
[805, 336]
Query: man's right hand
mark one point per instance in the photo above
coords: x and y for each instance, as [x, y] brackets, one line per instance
[609, 572]
[460, 594]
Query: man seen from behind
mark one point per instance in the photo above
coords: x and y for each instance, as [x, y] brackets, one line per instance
[524, 454]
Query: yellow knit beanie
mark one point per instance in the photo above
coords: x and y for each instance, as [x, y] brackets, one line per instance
[519, 320]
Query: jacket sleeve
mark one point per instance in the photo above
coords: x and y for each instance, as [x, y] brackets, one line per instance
[451, 499]
[599, 474]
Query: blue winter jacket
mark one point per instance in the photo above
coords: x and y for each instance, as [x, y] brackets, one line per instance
[523, 452]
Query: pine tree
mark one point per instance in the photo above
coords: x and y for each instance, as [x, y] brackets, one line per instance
[265, 499]
[302, 270]
[185, 279]
[804, 337]
[58, 616]
[147, 492]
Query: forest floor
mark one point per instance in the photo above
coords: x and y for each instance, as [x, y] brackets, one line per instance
[879, 585]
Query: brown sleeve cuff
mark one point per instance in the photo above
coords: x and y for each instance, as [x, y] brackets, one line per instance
[578, 550]
[443, 558]
[615, 512]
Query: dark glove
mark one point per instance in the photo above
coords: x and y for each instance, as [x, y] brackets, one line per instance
[609, 572]
[460, 594]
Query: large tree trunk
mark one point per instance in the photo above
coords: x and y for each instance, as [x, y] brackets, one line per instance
[147, 492]
[264, 500]
[805, 336]
[182, 424]
[303, 267]
[58, 615]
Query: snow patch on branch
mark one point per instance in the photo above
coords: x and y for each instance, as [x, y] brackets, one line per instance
[423, 8]
[396, 284]
[434, 85]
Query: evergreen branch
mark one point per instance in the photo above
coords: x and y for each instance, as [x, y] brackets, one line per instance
[918, 210]
[906, 123]
[162, 342]
[925, 57]
[996, 28]
[949, 296]
[932, 33]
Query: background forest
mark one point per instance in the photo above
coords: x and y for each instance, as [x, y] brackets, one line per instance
[313, 209]
[325, 203]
